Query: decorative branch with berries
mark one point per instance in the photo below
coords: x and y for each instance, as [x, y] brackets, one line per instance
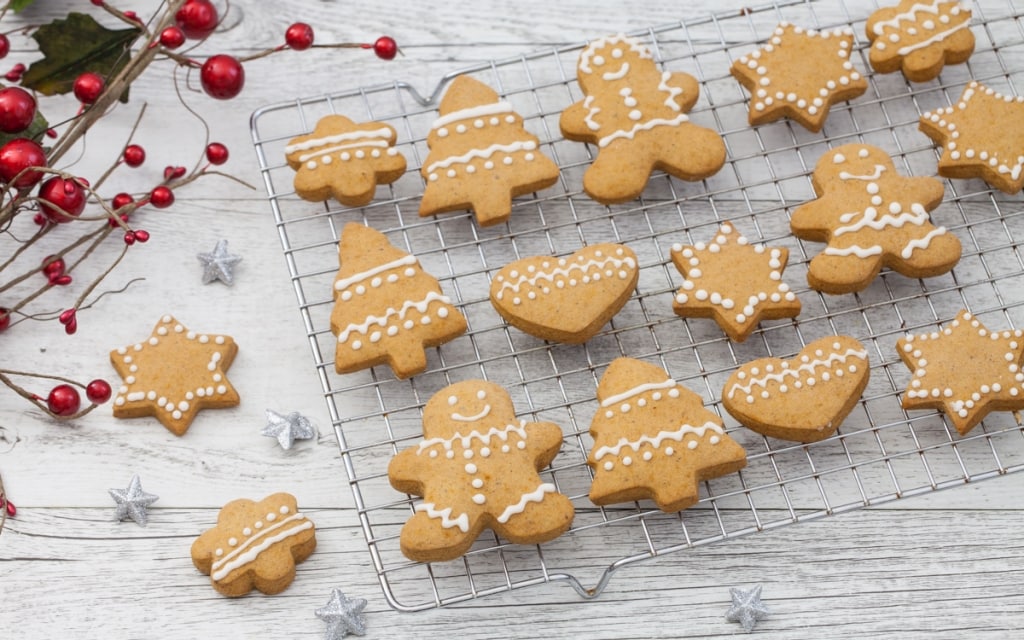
[97, 65]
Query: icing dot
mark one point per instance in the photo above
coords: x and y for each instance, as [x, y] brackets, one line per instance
[477, 483]
[470, 468]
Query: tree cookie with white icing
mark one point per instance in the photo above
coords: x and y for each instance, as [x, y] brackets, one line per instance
[636, 115]
[566, 299]
[804, 398]
[255, 545]
[476, 469]
[871, 217]
[919, 37]
[481, 156]
[387, 309]
[344, 159]
[653, 439]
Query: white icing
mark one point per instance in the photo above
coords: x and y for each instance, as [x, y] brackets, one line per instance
[563, 269]
[808, 367]
[637, 390]
[466, 441]
[471, 113]
[462, 521]
[642, 126]
[473, 418]
[382, 320]
[591, 51]
[917, 216]
[617, 75]
[655, 441]
[248, 551]
[327, 160]
[344, 283]
[383, 132]
[843, 175]
[511, 147]
[921, 243]
[537, 495]
[588, 104]
[673, 92]
[935, 38]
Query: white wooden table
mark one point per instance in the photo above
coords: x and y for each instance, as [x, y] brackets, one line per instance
[947, 564]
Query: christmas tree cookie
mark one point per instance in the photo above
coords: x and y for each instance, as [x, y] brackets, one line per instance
[476, 469]
[919, 37]
[653, 439]
[871, 217]
[345, 160]
[481, 156]
[636, 115]
[387, 309]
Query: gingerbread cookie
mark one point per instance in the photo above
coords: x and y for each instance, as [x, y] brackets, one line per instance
[871, 217]
[919, 37]
[636, 115]
[736, 283]
[964, 370]
[481, 156]
[173, 375]
[799, 74]
[804, 398]
[653, 439]
[566, 299]
[387, 309]
[345, 160]
[977, 138]
[255, 545]
[477, 469]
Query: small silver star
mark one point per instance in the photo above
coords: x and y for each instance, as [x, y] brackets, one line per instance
[342, 615]
[746, 607]
[289, 428]
[132, 502]
[219, 264]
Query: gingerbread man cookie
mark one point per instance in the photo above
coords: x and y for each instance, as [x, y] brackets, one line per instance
[982, 136]
[799, 74]
[481, 156]
[919, 37]
[636, 115]
[345, 160]
[871, 217]
[653, 439]
[477, 469]
[255, 545]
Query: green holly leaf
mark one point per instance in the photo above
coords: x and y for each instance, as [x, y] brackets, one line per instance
[18, 5]
[73, 46]
[35, 131]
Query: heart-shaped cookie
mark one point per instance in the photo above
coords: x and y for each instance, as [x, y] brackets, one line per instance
[566, 299]
[804, 398]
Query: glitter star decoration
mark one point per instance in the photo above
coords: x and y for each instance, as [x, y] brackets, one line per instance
[219, 264]
[736, 283]
[746, 607]
[343, 615]
[288, 428]
[132, 502]
[971, 146]
[800, 73]
[964, 370]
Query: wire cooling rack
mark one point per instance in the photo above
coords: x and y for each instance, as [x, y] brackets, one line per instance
[881, 453]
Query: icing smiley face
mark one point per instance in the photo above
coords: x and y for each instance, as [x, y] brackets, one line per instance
[457, 403]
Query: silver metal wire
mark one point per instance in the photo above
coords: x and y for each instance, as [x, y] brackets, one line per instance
[880, 454]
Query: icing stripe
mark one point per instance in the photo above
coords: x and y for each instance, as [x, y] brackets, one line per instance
[563, 270]
[645, 126]
[663, 85]
[467, 440]
[779, 376]
[921, 243]
[537, 495]
[910, 48]
[237, 558]
[323, 152]
[655, 441]
[870, 219]
[472, 112]
[344, 283]
[637, 390]
[910, 14]
[419, 305]
[857, 250]
[591, 112]
[512, 147]
[383, 132]
[596, 45]
[429, 508]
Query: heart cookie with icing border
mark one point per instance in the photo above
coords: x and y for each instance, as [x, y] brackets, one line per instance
[566, 299]
[804, 398]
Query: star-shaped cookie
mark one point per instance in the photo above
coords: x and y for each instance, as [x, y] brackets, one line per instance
[736, 283]
[799, 74]
[964, 370]
[173, 374]
[977, 139]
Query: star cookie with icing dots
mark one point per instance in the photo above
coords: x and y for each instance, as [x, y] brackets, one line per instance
[978, 139]
[736, 283]
[173, 375]
[964, 370]
[799, 74]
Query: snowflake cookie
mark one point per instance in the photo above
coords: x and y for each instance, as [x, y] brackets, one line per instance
[919, 37]
[637, 117]
[871, 217]
[476, 469]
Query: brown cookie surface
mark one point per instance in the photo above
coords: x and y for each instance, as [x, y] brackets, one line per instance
[919, 37]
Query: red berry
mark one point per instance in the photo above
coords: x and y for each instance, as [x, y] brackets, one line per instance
[98, 391]
[11, 511]
[5, 45]
[172, 37]
[129, 237]
[142, 235]
[197, 18]
[88, 87]
[299, 36]
[66, 197]
[121, 200]
[216, 153]
[98, 3]
[161, 197]
[5, 318]
[222, 77]
[64, 400]
[386, 48]
[53, 267]
[17, 109]
[18, 155]
[134, 155]
[131, 15]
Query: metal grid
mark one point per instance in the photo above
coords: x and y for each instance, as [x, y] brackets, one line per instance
[881, 453]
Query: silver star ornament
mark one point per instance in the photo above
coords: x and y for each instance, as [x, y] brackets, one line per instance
[342, 615]
[132, 502]
[746, 607]
[288, 428]
[219, 264]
